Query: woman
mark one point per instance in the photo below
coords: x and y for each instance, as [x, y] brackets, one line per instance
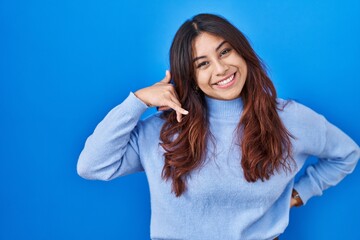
[221, 155]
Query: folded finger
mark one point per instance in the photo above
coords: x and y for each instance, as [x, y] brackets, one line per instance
[163, 108]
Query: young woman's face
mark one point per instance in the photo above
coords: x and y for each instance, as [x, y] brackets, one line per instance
[220, 71]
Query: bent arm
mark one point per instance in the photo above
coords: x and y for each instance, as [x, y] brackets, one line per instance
[337, 159]
[112, 150]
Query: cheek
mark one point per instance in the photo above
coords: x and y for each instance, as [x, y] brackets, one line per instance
[203, 78]
[244, 69]
[238, 59]
[243, 64]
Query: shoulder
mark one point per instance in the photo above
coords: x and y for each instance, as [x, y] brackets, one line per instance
[153, 123]
[307, 126]
[155, 118]
[293, 111]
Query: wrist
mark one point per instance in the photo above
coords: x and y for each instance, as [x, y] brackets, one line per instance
[295, 195]
[138, 94]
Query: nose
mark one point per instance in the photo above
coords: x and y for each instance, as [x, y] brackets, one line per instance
[220, 68]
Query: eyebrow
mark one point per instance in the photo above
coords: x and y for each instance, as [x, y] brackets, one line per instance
[217, 48]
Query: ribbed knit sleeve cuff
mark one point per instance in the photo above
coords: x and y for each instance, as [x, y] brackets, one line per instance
[132, 107]
[306, 189]
[135, 104]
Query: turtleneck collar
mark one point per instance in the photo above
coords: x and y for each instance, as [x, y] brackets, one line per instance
[224, 108]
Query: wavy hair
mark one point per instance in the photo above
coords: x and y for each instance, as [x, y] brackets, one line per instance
[264, 141]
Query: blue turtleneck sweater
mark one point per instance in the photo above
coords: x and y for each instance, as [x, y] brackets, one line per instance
[218, 203]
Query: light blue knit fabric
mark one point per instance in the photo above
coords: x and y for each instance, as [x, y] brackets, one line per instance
[219, 203]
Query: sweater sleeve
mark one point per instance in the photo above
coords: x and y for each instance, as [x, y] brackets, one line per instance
[337, 158]
[112, 150]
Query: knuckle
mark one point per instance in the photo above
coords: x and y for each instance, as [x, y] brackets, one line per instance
[167, 94]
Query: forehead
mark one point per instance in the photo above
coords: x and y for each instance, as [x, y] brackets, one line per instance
[206, 43]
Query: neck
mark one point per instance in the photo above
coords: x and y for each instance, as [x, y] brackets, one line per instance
[224, 108]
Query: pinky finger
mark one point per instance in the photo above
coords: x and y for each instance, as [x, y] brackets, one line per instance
[178, 116]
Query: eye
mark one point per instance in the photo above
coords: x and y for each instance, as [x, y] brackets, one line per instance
[202, 64]
[225, 51]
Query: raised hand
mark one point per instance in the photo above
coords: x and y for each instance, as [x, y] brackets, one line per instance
[162, 94]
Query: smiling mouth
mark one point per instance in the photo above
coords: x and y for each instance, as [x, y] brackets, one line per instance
[226, 81]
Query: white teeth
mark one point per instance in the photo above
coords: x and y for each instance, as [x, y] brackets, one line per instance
[226, 81]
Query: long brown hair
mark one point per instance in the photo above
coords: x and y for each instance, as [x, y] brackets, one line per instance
[265, 142]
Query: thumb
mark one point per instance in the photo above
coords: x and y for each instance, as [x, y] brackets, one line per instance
[167, 77]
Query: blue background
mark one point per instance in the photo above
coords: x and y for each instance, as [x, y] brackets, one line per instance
[65, 64]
